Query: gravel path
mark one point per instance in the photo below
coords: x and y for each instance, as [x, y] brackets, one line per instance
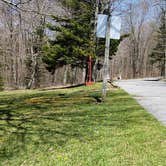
[150, 94]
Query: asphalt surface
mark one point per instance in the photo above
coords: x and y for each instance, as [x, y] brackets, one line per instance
[150, 94]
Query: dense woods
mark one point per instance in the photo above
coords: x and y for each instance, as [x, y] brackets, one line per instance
[136, 56]
[48, 42]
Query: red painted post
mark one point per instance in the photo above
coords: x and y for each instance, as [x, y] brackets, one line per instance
[89, 82]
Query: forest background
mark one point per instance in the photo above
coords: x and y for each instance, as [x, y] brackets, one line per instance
[48, 42]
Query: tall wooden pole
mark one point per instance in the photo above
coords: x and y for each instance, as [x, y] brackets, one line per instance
[106, 57]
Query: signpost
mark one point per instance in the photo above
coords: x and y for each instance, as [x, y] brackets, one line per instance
[115, 25]
[107, 27]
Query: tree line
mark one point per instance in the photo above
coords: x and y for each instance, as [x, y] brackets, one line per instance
[143, 53]
[47, 42]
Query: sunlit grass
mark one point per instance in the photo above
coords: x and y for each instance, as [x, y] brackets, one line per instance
[70, 127]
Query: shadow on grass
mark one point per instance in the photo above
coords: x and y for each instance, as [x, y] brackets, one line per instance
[53, 119]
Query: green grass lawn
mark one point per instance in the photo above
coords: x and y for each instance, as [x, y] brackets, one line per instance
[70, 128]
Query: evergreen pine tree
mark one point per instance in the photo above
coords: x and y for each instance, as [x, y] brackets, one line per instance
[74, 41]
[158, 55]
[72, 44]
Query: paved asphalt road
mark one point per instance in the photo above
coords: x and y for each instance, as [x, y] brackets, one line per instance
[150, 94]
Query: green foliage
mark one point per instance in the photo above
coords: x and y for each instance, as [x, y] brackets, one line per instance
[54, 57]
[113, 47]
[158, 53]
[72, 42]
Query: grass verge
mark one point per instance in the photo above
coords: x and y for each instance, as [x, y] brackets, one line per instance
[71, 128]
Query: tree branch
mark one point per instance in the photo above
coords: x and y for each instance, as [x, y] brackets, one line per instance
[22, 9]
